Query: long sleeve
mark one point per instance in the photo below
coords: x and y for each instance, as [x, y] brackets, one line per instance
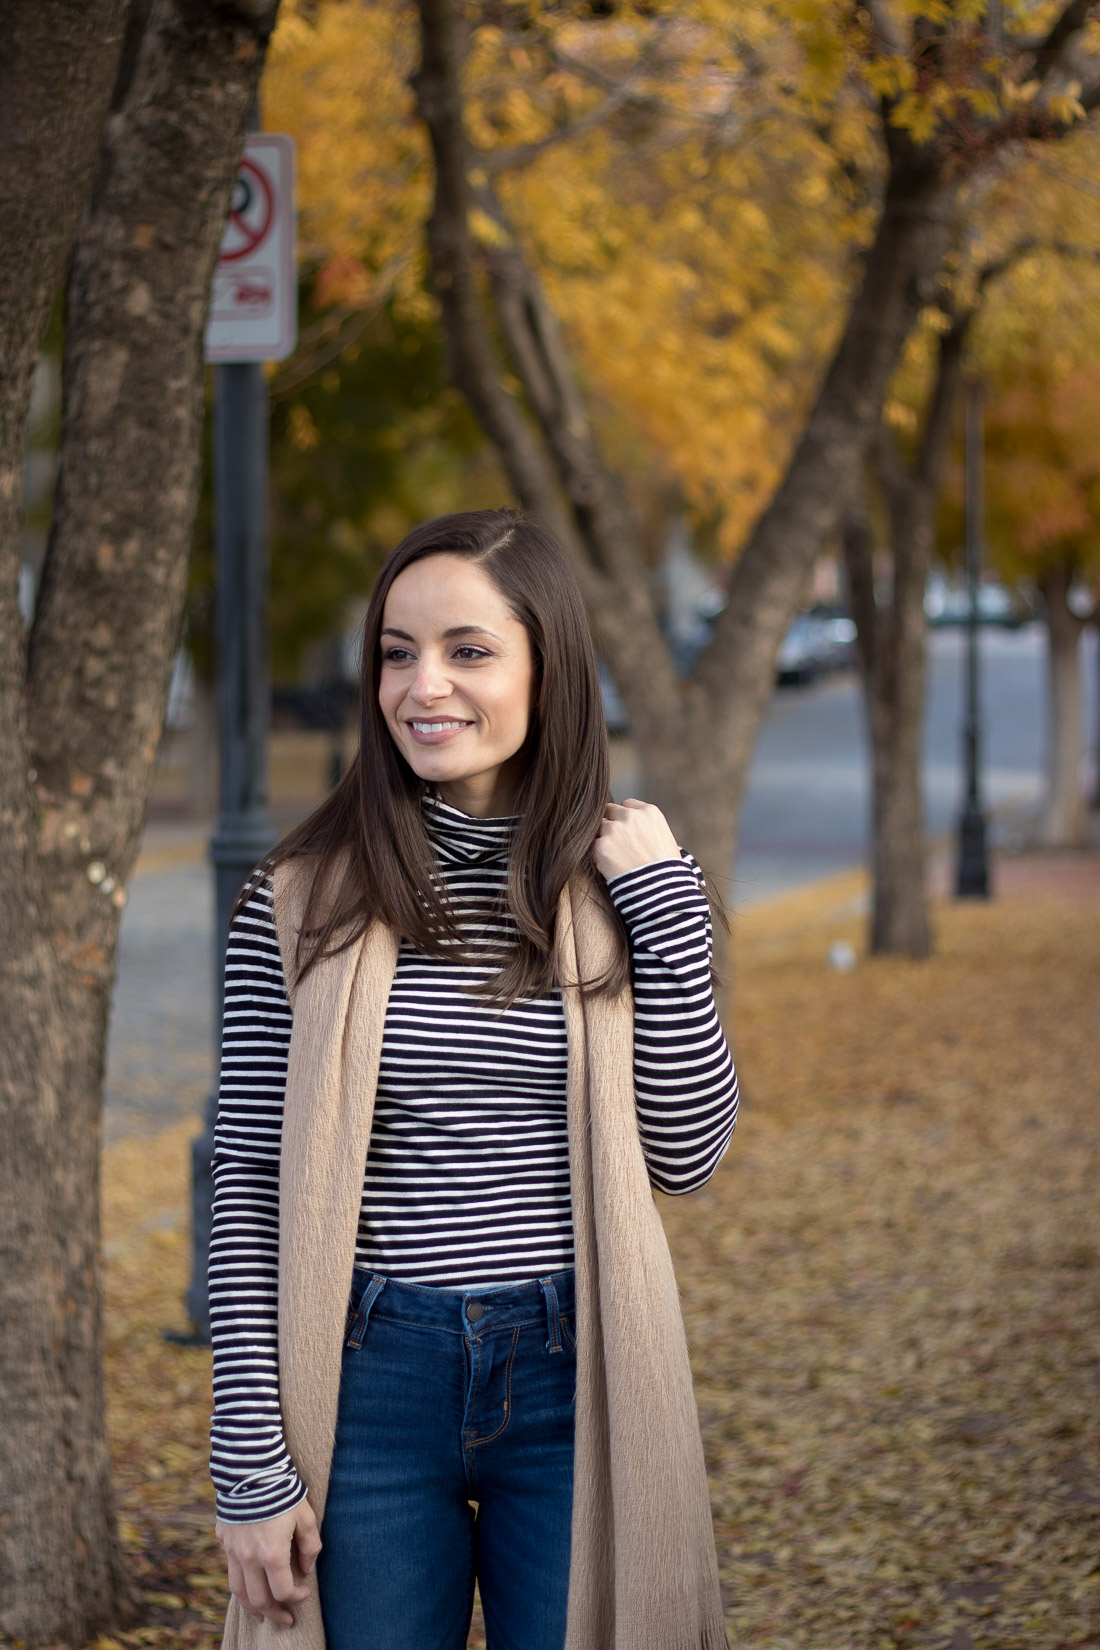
[684, 1080]
[252, 1471]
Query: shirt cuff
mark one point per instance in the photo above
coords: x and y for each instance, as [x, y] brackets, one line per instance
[252, 1500]
[662, 888]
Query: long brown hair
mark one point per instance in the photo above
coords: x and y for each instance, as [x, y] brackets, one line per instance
[373, 857]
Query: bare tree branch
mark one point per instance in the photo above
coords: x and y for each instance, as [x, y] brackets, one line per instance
[541, 357]
[1079, 180]
[939, 414]
[474, 363]
[936, 433]
[1051, 53]
[647, 101]
[328, 337]
[1024, 249]
[522, 154]
[884, 29]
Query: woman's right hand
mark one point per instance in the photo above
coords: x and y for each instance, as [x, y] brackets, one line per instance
[259, 1556]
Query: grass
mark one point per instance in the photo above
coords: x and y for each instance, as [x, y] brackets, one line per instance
[891, 1289]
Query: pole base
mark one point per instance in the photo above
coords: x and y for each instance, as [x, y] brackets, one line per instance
[972, 876]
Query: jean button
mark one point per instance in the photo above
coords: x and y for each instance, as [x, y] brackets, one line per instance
[474, 1311]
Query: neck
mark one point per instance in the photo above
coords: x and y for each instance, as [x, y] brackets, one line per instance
[484, 795]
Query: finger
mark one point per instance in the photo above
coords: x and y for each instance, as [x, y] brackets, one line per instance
[239, 1589]
[280, 1580]
[259, 1593]
[236, 1580]
[262, 1598]
[307, 1541]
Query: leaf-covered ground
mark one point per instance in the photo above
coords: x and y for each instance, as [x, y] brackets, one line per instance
[891, 1287]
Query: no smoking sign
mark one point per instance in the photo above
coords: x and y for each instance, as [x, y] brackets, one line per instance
[253, 306]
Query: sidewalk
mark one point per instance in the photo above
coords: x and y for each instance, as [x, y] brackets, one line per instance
[891, 1288]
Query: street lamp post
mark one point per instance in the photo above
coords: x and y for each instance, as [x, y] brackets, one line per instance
[244, 830]
[972, 876]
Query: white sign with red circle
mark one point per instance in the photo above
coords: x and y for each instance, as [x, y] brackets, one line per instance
[254, 304]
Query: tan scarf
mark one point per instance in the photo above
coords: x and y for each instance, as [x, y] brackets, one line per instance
[643, 1573]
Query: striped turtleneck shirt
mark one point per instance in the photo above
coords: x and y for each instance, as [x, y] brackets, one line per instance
[466, 1182]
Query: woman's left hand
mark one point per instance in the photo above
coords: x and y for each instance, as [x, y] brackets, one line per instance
[633, 833]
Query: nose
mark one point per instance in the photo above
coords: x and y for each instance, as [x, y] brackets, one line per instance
[431, 681]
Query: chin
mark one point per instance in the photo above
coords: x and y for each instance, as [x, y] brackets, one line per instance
[434, 771]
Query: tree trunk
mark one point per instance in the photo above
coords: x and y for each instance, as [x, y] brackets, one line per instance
[1063, 821]
[891, 651]
[891, 644]
[57, 67]
[1094, 800]
[101, 651]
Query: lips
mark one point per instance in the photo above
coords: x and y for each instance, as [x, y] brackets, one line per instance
[437, 731]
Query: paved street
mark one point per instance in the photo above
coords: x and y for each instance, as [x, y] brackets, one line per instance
[807, 807]
[805, 816]
[159, 1057]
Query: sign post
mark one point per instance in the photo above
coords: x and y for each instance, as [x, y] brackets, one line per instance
[252, 319]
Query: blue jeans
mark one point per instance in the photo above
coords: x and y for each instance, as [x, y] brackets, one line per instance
[447, 1398]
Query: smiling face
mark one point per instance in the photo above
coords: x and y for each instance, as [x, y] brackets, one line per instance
[456, 682]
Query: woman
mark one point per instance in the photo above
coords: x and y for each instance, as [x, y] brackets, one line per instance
[466, 1361]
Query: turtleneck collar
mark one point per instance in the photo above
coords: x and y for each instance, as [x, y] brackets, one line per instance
[460, 839]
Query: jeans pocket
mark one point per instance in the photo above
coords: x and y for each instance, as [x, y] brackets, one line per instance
[358, 1314]
[567, 1333]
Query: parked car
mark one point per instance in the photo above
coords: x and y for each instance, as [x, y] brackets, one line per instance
[839, 634]
[804, 651]
[947, 602]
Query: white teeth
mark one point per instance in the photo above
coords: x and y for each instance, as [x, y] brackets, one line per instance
[436, 727]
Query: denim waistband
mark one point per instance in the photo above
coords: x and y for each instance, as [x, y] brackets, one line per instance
[471, 1312]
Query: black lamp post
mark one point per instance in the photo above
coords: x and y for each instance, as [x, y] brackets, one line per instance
[244, 831]
[972, 877]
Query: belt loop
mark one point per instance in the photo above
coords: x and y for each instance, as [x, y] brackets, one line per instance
[367, 1299]
[551, 1296]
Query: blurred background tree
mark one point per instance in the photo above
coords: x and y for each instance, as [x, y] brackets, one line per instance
[1043, 531]
[678, 203]
[682, 184]
[1022, 279]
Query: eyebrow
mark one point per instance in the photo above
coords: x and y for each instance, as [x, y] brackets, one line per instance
[455, 630]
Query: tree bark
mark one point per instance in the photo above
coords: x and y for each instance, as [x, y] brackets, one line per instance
[1094, 800]
[57, 67]
[1063, 820]
[94, 688]
[891, 642]
[891, 649]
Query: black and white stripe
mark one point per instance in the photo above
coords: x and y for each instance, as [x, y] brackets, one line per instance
[467, 1180]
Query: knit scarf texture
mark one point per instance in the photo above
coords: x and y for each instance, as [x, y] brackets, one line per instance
[643, 1572]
